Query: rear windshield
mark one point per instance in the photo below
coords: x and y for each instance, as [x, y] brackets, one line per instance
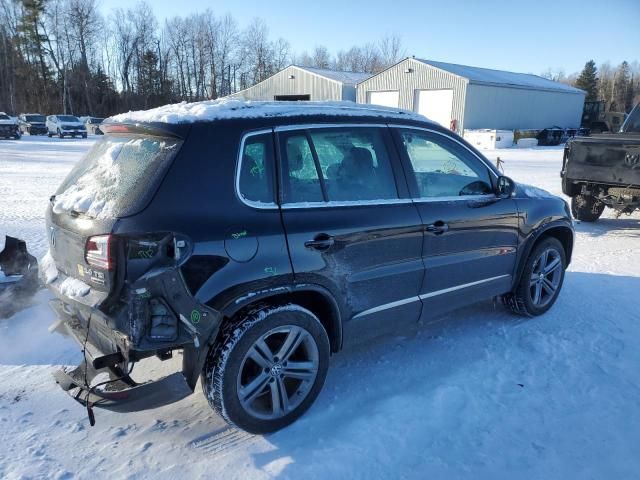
[117, 176]
[68, 118]
[35, 118]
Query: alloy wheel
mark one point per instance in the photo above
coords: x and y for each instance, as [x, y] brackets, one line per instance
[545, 277]
[277, 372]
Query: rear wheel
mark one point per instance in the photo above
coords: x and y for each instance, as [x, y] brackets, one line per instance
[49, 134]
[586, 208]
[541, 279]
[267, 370]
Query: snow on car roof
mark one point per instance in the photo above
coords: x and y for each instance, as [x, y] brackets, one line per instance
[234, 108]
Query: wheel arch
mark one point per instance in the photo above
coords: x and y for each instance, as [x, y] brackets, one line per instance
[560, 231]
[314, 298]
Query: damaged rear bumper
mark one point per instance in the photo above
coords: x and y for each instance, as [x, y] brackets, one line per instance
[111, 342]
[121, 394]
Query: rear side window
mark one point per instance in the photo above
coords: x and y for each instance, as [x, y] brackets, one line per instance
[444, 168]
[255, 182]
[116, 177]
[337, 165]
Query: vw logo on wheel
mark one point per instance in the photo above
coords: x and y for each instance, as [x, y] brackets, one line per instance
[632, 160]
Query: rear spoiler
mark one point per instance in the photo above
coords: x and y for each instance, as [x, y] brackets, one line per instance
[156, 129]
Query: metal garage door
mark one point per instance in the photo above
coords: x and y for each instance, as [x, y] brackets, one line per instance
[436, 105]
[387, 99]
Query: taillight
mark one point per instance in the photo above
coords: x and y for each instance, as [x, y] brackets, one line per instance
[98, 252]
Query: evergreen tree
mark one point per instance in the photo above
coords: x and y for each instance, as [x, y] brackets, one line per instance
[588, 80]
[621, 86]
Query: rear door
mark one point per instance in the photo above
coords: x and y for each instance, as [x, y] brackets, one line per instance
[349, 222]
[470, 235]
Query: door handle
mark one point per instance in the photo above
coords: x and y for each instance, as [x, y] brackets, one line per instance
[437, 228]
[321, 241]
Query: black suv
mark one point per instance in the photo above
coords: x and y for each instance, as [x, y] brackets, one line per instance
[261, 238]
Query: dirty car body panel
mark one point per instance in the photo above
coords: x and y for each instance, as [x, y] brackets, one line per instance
[183, 257]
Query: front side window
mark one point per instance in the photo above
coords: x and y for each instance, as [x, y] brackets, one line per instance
[256, 169]
[336, 165]
[443, 168]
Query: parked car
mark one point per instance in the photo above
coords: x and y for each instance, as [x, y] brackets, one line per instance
[65, 125]
[93, 125]
[8, 127]
[263, 238]
[32, 123]
[604, 171]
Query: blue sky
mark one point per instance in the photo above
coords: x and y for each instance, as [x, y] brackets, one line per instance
[523, 36]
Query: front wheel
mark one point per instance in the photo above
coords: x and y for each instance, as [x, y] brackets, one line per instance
[586, 208]
[541, 279]
[267, 370]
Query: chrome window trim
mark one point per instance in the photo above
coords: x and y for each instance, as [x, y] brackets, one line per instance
[307, 126]
[424, 296]
[347, 203]
[243, 199]
[424, 129]
[457, 198]
[354, 203]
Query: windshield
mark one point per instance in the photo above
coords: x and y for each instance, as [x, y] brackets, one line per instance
[35, 118]
[68, 118]
[632, 125]
[96, 120]
[116, 177]
[4, 117]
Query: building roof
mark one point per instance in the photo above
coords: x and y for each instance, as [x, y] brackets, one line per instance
[486, 76]
[348, 78]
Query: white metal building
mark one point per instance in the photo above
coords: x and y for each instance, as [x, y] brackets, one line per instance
[306, 83]
[476, 98]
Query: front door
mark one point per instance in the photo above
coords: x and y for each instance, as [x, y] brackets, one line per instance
[470, 235]
[351, 226]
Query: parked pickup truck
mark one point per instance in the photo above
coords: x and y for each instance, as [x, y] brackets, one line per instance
[604, 171]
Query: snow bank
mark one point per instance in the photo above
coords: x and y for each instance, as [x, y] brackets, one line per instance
[94, 192]
[72, 287]
[230, 108]
[48, 270]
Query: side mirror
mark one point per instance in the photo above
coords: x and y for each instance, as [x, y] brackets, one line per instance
[505, 187]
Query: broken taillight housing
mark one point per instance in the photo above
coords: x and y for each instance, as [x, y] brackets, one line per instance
[98, 252]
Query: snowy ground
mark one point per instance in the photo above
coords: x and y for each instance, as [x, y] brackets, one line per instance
[480, 395]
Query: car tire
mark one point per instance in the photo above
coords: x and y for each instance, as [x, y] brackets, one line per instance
[84, 135]
[586, 208]
[49, 134]
[246, 357]
[60, 135]
[541, 279]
